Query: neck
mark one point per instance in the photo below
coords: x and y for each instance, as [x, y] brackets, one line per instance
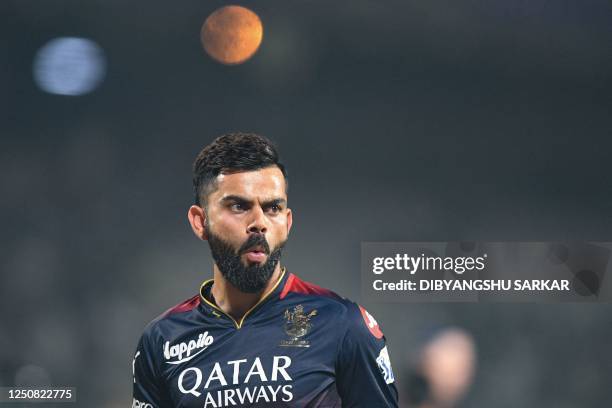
[234, 302]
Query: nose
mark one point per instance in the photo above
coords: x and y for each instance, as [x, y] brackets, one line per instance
[258, 222]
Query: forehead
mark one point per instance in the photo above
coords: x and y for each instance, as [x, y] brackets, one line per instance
[265, 183]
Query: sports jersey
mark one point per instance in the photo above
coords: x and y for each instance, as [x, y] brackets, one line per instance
[299, 346]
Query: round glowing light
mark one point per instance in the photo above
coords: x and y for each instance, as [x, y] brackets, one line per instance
[232, 34]
[69, 66]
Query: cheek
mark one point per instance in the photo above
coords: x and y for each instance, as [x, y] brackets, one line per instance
[280, 231]
[228, 228]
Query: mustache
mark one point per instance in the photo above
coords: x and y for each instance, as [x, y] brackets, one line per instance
[255, 240]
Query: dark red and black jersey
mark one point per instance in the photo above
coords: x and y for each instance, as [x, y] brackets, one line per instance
[300, 346]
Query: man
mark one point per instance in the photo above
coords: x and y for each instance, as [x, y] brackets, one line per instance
[256, 334]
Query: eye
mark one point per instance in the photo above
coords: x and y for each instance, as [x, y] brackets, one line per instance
[274, 209]
[237, 207]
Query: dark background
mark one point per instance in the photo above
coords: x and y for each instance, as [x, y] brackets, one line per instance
[426, 120]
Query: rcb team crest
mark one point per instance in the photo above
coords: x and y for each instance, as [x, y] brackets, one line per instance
[297, 325]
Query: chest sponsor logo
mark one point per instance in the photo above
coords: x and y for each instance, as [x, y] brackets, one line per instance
[384, 364]
[297, 325]
[185, 351]
[240, 382]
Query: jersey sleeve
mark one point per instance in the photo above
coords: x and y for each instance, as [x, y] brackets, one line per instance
[147, 388]
[364, 376]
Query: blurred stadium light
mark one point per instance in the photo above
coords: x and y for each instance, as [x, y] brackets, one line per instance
[69, 66]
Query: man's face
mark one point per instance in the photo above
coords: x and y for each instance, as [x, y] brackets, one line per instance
[247, 223]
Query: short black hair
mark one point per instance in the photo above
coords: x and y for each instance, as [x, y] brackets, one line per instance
[231, 153]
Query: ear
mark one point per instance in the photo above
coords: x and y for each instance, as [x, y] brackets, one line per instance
[289, 220]
[197, 220]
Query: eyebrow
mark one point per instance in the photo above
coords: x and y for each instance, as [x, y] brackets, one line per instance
[240, 199]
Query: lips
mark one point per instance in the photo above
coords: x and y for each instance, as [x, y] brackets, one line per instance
[256, 254]
[257, 248]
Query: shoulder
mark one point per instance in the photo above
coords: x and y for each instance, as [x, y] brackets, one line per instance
[299, 290]
[169, 318]
[295, 285]
[185, 306]
[360, 323]
[355, 317]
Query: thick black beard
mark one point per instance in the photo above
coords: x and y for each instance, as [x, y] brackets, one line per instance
[247, 279]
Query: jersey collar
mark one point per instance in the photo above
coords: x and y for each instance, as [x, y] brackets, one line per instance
[273, 293]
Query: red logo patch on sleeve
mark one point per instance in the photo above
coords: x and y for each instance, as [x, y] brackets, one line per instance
[371, 323]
